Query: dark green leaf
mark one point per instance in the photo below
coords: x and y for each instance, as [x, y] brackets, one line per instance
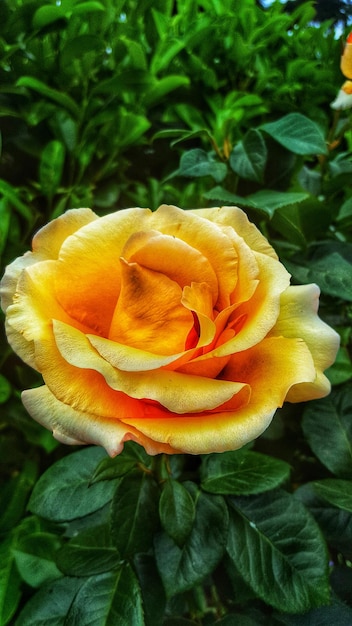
[238, 619]
[153, 594]
[335, 523]
[345, 211]
[177, 511]
[51, 604]
[341, 370]
[335, 283]
[64, 491]
[11, 195]
[187, 566]
[242, 473]
[336, 615]
[131, 457]
[134, 513]
[5, 389]
[10, 580]
[14, 495]
[335, 491]
[76, 560]
[197, 162]
[109, 599]
[278, 549]
[298, 134]
[287, 221]
[329, 420]
[248, 158]
[5, 218]
[35, 558]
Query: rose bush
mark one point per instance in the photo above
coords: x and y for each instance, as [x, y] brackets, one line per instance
[176, 329]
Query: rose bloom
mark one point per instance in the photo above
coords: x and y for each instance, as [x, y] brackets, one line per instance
[343, 99]
[175, 329]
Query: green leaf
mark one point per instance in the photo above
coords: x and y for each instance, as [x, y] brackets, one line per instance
[279, 551]
[335, 523]
[195, 163]
[287, 221]
[10, 580]
[153, 595]
[64, 491]
[5, 389]
[338, 614]
[51, 167]
[48, 14]
[336, 283]
[82, 8]
[134, 513]
[131, 128]
[14, 495]
[335, 491]
[163, 87]
[177, 511]
[35, 558]
[248, 158]
[77, 560]
[329, 420]
[221, 195]
[341, 370]
[29, 82]
[131, 457]
[242, 473]
[50, 605]
[11, 194]
[187, 566]
[298, 134]
[345, 211]
[109, 599]
[165, 51]
[5, 219]
[269, 201]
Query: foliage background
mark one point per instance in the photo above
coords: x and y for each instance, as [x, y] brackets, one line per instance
[111, 104]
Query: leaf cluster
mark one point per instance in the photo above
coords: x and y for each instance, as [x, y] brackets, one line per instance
[142, 540]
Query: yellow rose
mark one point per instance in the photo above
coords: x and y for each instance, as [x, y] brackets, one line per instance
[175, 329]
[346, 58]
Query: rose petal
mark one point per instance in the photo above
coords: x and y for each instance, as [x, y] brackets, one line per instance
[298, 318]
[149, 314]
[128, 358]
[34, 306]
[177, 392]
[8, 284]
[270, 369]
[254, 318]
[172, 257]
[346, 60]
[49, 239]
[206, 237]
[46, 245]
[76, 427]
[237, 220]
[89, 278]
